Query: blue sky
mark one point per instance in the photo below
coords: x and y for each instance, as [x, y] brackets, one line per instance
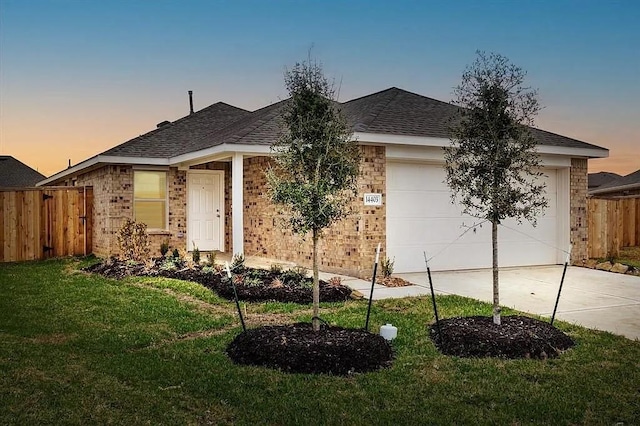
[78, 77]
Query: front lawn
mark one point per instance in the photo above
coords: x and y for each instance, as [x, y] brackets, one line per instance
[78, 348]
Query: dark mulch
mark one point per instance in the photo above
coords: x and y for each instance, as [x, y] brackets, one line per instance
[252, 285]
[296, 348]
[516, 337]
[286, 293]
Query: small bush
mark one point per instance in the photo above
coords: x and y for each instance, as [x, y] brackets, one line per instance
[295, 276]
[275, 268]
[209, 269]
[386, 266]
[196, 254]
[237, 262]
[335, 281]
[169, 264]
[133, 241]
[164, 248]
[175, 254]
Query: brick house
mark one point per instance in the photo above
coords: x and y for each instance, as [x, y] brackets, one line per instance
[200, 181]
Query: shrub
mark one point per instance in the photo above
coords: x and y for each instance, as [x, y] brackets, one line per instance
[386, 267]
[237, 262]
[275, 268]
[133, 241]
[169, 264]
[295, 276]
[196, 254]
[335, 281]
[164, 248]
[209, 269]
[175, 254]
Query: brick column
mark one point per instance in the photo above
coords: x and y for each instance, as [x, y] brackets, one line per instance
[578, 210]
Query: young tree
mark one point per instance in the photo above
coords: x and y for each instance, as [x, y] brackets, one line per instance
[316, 163]
[492, 165]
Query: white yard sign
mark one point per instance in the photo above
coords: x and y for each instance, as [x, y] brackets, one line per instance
[371, 199]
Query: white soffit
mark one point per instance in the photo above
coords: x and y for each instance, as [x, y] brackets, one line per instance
[422, 141]
[220, 151]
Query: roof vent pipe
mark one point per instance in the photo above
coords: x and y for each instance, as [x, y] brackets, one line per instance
[190, 101]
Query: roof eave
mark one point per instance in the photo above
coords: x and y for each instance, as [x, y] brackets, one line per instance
[102, 159]
[211, 153]
[619, 188]
[390, 139]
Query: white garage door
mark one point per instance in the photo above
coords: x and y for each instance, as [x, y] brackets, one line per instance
[420, 217]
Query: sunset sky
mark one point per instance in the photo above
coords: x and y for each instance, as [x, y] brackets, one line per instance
[79, 77]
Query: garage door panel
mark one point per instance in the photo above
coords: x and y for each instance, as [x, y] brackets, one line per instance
[415, 178]
[421, 217]
[438, 205]
[437, 231]
[511, 231]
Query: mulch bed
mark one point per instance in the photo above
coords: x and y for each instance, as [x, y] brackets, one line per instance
[516, 337]
[392, 281]
[296, 348]
[252, 285]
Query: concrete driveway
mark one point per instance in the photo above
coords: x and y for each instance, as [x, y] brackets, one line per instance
[593, 299]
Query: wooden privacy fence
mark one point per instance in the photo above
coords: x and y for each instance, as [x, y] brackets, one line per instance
[38, 223]
[613, 224]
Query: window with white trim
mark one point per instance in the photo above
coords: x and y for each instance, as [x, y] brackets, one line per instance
[150, 198]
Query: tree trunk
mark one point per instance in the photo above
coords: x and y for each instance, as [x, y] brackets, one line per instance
[316, 284]
[496, 293]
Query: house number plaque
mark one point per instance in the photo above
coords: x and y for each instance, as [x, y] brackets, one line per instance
[371, 199]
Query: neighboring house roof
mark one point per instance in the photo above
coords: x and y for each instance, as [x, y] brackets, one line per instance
[620, 185]
[391, 112]
[598, 179]
[14, 173]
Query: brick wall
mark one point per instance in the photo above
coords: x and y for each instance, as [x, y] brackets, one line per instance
[113, 194]
[578, 210]
[113, 203]
[347, 247]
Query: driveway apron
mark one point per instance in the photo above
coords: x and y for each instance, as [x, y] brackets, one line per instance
[594, 299]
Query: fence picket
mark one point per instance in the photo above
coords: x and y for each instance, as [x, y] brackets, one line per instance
[613, 224]
[32, 219]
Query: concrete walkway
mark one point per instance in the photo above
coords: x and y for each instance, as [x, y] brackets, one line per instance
[593, 299]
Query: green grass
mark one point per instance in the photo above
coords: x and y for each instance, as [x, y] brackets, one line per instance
[630, 256]
[78, 348]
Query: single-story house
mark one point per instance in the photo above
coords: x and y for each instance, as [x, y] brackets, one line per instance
[622, 186]
[15, 174]
[199, 181]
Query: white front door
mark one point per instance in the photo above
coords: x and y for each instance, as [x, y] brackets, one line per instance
[205, 210]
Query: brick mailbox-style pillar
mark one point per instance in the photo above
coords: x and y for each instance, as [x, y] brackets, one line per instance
[578, 210]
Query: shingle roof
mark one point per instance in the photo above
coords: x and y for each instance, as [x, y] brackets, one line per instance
[392, 111]
[398, 112]
[598, 179]
[629, 181]
[182, 135]
[261, 127]
[14, 173]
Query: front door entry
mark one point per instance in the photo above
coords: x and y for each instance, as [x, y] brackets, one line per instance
[205, 210]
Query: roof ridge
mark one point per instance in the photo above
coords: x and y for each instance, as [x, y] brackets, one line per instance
[252, 114]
